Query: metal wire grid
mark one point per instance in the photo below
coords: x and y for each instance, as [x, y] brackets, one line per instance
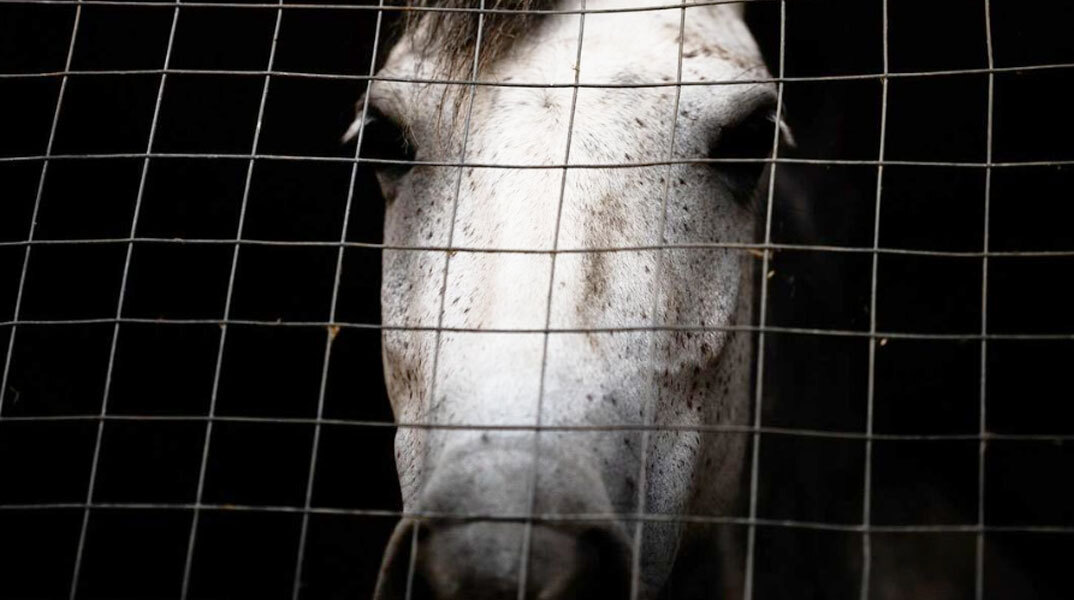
[757, 430]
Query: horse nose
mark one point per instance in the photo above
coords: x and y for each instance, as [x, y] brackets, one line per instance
[481, 560]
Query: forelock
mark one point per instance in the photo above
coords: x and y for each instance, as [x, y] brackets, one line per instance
[450, 36]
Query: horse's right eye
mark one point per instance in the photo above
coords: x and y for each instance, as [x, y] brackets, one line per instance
[385, 142]
[749, 138]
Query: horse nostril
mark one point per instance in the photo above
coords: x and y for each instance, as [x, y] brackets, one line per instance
[600, 569]
[395, 570]
[613, 558]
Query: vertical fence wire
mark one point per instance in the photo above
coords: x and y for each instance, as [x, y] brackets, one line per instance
[296, 586]
[471, 93]
[649, 406]
[77, 570]
[867, 477]
[37, 206]
[978, 571]
[527, 531]
[229, 296]
[758, 401]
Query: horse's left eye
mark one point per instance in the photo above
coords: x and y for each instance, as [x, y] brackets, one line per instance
[748, 138]
[386, 142]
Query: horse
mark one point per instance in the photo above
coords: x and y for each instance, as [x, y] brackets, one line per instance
[568, 289]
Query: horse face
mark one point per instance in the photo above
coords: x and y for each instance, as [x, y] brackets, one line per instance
[581, 382]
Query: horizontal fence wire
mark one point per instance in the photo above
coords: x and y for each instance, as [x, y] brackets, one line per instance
[399, 8]
[554, 517]
[880, 335]
[537, 85]
[485, 165]
[699, 428]
[755, 249]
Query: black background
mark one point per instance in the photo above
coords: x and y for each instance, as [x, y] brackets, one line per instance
[815, 382]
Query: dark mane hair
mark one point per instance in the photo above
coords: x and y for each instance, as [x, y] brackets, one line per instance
[450, 37]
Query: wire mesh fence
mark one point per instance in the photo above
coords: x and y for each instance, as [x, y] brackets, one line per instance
[192, 380]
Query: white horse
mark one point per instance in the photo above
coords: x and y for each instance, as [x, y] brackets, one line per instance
[595, 412]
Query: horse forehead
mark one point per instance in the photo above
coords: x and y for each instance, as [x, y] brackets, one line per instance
[632, 47]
